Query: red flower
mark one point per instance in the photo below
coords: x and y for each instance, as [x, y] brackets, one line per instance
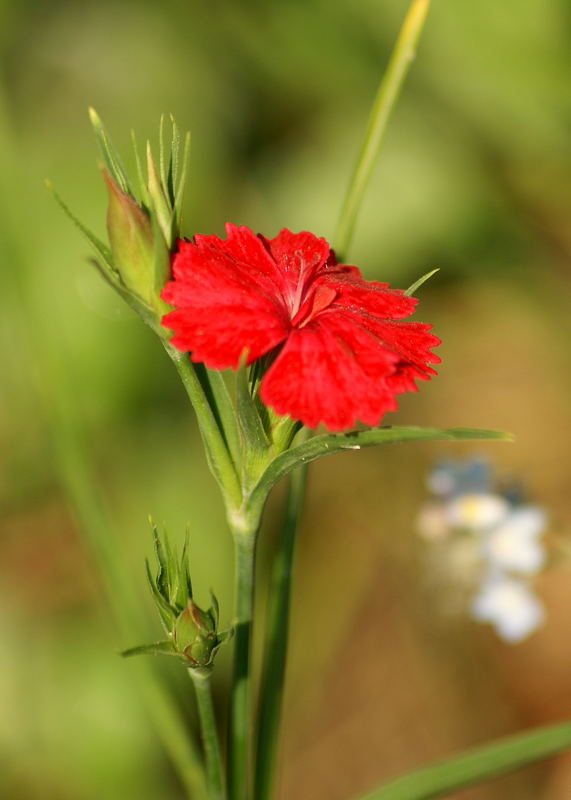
[343, 350]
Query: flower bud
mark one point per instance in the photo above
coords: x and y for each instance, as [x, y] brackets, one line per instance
[194, 635]
[139, 256]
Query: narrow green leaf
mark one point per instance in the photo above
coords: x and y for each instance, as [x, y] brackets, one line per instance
[479, 764]
[174, 161]
[156, 649]
[162, 160]
[109, 276]
[179, 193]
[329, 443]
[148, 315]
[99, 246]
[214, 608]
[140, 173]
[185, 588]
[161, 579]
[417, 284]
[172, 571]
[159, 203]
[110, 155]
[165, 611]
[224, 411]
[249, 419]
[399, 63]
[225, 636]
[161, 260]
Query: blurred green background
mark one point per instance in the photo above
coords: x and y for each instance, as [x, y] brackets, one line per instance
[474, 178]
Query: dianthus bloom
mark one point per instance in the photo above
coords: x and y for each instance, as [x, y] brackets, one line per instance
[342, 352]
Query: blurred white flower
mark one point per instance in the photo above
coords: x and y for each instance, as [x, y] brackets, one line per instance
[477, 511]
[514, 545]
[483, 545]
[510, 606]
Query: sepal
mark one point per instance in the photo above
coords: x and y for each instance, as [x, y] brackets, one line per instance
[110, 156]
[156, 649]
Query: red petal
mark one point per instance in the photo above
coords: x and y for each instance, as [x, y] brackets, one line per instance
[371, 296]
[226, 299]
[410, 341]
[331, 372]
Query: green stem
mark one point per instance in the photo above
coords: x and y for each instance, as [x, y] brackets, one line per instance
[275, 648]
[214, 771]
[479, 764]
[219, 458]
[400, 61]
[240, 717]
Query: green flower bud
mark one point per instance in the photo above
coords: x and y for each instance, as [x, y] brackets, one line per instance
[194, 635]
[139, 256]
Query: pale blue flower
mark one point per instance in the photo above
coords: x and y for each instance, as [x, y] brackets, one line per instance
[441, 480]
[451, 477]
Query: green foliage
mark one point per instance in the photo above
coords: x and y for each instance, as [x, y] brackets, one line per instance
[477, 765]
[417, 284]
[330, 443]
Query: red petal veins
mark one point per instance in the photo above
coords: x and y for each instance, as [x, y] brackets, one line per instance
[242, 247]
[373, 297]
[410, 341]
[221, 335]
[331, 372]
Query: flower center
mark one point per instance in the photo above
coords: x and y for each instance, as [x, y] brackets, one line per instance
[305, 272]
[316, 301]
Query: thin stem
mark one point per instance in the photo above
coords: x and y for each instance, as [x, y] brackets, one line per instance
[214, 771]
[240, 717]
[219, 458]
[399, 63]
[275, 648]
